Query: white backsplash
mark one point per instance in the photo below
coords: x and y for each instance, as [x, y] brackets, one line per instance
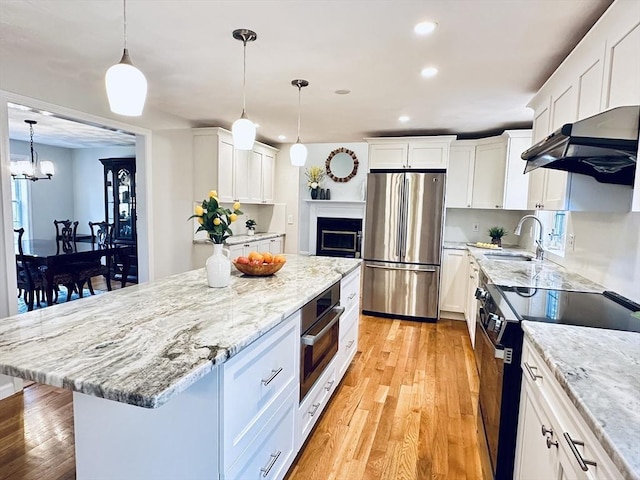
[459, 223]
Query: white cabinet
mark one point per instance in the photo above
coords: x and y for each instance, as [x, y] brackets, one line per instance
[460, 174]
[602, 72]
[237, 175]
[453, 287]
[489, 173]
[409, 152]
[471, 304]
[552, 436]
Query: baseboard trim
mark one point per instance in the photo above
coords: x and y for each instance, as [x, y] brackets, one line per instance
[452, 315]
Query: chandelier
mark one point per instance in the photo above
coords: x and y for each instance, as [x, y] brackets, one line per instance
[32, 170]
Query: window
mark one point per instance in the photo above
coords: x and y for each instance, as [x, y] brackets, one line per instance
[20, 204]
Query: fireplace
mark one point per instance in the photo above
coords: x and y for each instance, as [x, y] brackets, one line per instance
[339, 237]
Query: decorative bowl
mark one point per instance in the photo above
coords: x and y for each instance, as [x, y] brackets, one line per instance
[258, 270]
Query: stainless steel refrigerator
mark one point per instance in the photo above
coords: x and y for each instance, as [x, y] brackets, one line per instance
[403, 244]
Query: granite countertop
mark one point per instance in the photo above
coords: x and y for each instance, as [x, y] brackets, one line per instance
[146, 343]
[600, 372]
[239, 239]
[533, 274]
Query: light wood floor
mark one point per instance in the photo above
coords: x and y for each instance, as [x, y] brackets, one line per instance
[405, 410]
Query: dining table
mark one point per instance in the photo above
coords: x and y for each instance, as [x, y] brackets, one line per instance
[52, 256]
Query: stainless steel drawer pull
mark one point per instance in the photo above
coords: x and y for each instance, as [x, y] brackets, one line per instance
[274, 458]
[274, 374]
[546, 430]
[572, 445]
[530, 370]
[352, 296]
[350, 344]
[551, 442]
[314, 409]
[329, 385]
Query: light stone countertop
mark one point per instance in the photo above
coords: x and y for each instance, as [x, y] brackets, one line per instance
[239, 239]
[146, 343]
[533, 274]
[600, 372]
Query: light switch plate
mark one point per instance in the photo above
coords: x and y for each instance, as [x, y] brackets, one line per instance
[290, 219]
[476, 227]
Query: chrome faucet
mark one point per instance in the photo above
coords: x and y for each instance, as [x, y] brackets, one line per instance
[539, 249]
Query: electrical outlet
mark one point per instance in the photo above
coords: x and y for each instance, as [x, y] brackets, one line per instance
[571, 242]
[476, 227]
[290, 219]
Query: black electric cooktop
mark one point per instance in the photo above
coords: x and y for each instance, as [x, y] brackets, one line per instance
[607, 310]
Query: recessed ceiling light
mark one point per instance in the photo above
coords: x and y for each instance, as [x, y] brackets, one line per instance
[45, 113]
[18, 107]
[404, 119]
[256, 124]
[343, 92]
[282, 137]
[425, 28]
[429, 72]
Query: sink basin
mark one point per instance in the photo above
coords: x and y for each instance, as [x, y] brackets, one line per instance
[518, 257]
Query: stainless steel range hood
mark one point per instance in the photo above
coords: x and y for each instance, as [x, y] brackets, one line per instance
[604, 146]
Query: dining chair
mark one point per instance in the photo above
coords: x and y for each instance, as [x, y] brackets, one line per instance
[29, 280]
[100, 238]
[66, 234]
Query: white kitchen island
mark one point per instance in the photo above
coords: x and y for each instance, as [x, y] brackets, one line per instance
[171, 379]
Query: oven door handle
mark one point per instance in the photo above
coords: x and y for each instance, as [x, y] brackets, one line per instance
[312, 339]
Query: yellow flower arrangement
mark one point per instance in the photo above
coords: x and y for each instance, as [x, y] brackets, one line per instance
[314, 175]
[214, 219]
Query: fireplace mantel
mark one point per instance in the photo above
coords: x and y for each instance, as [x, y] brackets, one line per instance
[332, 209]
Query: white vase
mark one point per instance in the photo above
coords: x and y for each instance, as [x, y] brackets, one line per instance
[218, 267]
[251, 232]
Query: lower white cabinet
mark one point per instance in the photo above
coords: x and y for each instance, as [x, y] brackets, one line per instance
[315, 402]
[553, 439]
[453, 287]
[471, 304]
[272, 245]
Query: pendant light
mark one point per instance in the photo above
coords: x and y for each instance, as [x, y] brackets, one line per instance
[126, 85]
[243, 129]
[33, 170]
[298, 152]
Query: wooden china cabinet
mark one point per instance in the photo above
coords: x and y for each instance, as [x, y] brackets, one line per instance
[120, 207]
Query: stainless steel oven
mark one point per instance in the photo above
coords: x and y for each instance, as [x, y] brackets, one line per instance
[320, 331]
[498, 350]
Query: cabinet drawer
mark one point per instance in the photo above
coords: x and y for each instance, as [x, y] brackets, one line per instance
[272, 451]
[349, 292]
[348, 345]
[315, 401]
[256, 378]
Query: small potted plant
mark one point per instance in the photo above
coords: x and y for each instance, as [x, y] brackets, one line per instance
[496, 233]
[251, 226]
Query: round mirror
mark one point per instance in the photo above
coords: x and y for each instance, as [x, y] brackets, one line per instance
[342, 165]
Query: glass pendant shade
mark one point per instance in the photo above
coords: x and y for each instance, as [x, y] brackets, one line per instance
[23, 167]
[47, 168]
[298, 154]
[126, 88]
[244, 133]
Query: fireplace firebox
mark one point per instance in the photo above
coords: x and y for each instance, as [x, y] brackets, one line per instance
[339, 237]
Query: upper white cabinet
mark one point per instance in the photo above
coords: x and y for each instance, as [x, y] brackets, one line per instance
[409, 152]
[602, 72]
[489, 173]
[237, 175]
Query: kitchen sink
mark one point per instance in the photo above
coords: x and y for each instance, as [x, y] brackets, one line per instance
[518, 257]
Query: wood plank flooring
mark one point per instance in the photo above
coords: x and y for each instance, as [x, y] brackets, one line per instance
[406, 410]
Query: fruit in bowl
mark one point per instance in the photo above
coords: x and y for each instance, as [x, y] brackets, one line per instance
[259, 264]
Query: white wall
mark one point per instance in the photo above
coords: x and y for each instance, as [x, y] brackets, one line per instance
[88, 173]
[351, 190]
[49, 199]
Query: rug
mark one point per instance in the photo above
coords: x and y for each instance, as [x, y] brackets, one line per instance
[62, 298]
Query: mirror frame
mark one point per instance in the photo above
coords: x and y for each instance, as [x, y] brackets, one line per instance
[354, 171]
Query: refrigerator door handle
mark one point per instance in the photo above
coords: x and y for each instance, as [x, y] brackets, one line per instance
[403, 219]
[416, 270]
[399, 231]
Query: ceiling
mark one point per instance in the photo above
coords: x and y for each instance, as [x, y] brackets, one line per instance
[492, 56]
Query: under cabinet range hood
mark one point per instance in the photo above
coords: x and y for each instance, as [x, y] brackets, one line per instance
[604, 146]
